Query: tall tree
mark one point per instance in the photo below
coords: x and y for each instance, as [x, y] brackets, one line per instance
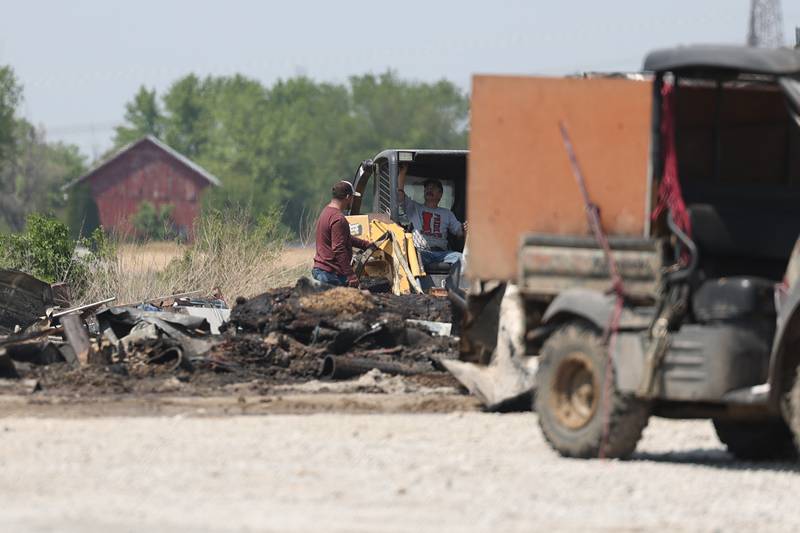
[282, 146]
[187, 116]
[10, 96]
[32, 178]
[142, 117]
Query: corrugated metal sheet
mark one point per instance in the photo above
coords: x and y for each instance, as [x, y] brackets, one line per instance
[23, 299]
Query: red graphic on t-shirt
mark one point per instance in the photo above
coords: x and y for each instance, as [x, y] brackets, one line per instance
[431, 223]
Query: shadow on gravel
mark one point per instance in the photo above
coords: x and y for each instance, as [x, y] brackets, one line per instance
[715, 458]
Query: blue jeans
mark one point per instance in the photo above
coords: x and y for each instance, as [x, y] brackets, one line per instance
[434, 256]
[328, 277]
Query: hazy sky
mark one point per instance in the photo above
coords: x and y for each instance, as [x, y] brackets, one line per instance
[81, 60]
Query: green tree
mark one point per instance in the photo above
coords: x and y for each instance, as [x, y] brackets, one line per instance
[32, 177]
[187, 116]
[280, 147]
[142, 117]
[10, 96]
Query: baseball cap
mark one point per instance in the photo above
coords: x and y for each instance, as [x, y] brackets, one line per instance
[343, 189]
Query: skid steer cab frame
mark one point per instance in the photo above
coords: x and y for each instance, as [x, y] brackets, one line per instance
[710, 323]
[378, 217]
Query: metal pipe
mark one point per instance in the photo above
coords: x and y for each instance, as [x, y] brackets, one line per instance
[457, 300]
[338, 367]
[83, 307]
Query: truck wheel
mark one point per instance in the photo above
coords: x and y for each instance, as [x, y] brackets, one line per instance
[569, 398]
[756, 440]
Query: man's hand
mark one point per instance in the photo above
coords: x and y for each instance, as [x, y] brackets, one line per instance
[352, 282]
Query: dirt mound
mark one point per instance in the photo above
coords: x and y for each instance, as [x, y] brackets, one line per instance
[301, 325]
[340, 300]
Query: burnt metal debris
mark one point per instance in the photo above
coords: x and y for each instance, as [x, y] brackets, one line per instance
[289, 334]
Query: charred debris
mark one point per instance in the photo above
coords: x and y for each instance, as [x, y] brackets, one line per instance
[287, 335]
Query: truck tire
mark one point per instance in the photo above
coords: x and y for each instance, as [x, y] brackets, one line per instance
[759, 440]
[569, 401]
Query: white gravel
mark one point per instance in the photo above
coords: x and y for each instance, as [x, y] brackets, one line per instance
[334, 472]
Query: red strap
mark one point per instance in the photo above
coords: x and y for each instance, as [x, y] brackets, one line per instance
[669, 191]
[593, 215]
[610, 335]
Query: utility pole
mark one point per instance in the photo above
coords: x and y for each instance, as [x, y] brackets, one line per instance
[766, 24]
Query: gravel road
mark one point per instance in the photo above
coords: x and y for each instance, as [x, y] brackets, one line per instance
[345, 472]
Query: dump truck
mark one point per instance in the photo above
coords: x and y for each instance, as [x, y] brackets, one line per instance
[643, 231]
[378, 216]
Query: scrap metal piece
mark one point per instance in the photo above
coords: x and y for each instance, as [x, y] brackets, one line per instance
[19, 386]
[7, 368]
[131, 316]
[164, 298]
[85, 307]
[29, 336]
[41, 352]
[338, 367]
[23, 299]
[511, 374]
[77, 336]
[216, 317]
[438, 329]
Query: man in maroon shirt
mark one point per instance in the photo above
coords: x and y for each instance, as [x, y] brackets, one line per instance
[334, 242]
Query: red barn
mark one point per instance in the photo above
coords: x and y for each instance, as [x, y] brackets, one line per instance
[147, 171]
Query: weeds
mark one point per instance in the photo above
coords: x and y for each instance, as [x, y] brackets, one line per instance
[231, 254]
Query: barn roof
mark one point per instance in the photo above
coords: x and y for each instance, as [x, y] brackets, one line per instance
[203, 173]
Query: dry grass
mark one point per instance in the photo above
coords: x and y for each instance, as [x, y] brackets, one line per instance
[148, 256]
[230, 255]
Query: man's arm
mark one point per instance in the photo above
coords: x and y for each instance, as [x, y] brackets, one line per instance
[361, 244]
[401, 184]
[455, 227]
[339, 231]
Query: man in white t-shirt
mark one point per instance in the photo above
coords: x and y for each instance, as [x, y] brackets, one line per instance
[431, 223]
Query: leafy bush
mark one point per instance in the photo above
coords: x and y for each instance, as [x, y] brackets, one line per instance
[154, 223]
[46, 250]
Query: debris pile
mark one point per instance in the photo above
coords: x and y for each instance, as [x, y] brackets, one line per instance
[287, 335]
[311, 330]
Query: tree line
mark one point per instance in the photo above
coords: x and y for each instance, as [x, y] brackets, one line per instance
[273, 147]
[32, 170]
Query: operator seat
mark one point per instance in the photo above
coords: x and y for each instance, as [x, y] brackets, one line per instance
[735, 264]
